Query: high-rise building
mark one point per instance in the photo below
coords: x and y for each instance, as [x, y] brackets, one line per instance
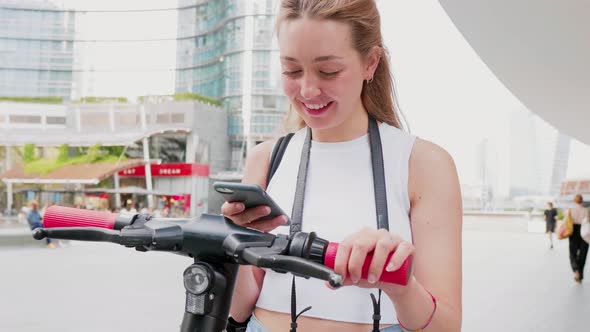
[226, 50]
[560, 163]
[36, 49]
[539, 156]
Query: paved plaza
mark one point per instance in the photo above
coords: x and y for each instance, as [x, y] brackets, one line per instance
[512, 282]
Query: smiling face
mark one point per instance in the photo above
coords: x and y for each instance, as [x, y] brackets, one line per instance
[322, 73]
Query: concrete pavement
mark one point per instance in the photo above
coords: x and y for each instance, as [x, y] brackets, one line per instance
[512, 282]
[14, 233]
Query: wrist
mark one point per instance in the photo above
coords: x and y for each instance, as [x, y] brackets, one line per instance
[398, 293]
[414, 305]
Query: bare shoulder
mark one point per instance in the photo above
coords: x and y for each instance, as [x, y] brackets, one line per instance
[257, 162]
[431, 170]
[425, 152]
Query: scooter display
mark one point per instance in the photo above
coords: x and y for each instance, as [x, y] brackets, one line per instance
[217, 247]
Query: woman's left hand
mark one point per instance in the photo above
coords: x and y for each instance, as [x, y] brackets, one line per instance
[353, 251]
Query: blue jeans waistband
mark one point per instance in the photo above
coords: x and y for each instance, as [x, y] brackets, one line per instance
[256, 326]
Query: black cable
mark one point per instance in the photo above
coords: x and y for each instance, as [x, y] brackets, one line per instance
[120, 70]
[84, 11]
[99, 40]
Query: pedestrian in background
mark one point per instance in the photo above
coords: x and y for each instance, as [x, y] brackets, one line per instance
[550, 220]
[35, 221]
[578, 247]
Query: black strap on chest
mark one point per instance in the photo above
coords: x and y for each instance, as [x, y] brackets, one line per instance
[378, 180]
[299, 199]
[277, 155]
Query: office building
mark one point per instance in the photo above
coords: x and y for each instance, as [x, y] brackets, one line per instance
[539, 156]
[36, 49]
[227, 50]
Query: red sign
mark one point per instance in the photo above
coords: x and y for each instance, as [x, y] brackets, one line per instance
[167, 170]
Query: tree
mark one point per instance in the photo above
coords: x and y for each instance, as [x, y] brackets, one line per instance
[63, 153]
[29, 153]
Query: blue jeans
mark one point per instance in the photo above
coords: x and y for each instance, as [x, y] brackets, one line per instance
[256, 326]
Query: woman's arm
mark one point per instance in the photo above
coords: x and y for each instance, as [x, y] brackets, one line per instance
[436, 221]
[249, 280]
[246, 292]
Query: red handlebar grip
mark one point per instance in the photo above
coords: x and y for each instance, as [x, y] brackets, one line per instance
[399, 276]
[59, 216]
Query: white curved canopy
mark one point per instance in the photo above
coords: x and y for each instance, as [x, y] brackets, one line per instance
[539, 49]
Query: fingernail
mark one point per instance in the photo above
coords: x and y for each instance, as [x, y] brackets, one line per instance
[241, 207]
[390, 267]
[372, 278]
[355, 280]
[266, 210]
[285, 220]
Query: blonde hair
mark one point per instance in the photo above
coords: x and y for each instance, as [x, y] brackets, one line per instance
[378, 95]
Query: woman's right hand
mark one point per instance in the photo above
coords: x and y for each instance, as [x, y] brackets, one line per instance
[237, 213]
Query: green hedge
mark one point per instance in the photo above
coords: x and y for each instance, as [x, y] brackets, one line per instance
[94, 154]
[195, 96]
[187, 96]
[40, 100]
[95, 100]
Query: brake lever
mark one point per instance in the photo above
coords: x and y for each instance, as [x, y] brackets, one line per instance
[268, 258]
[93, 234]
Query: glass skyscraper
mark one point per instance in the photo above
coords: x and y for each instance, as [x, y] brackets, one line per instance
[539, 155]
[36, 49]
[227, 50]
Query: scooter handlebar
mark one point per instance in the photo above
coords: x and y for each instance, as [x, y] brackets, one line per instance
[64, 217]
[399, 276]
[60, 216]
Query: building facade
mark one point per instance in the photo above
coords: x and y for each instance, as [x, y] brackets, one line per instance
[36, 49]
[177, 131]
[177, 134]
[539, 156]
[226, 50]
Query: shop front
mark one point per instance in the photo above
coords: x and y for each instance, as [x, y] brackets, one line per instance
[179, 189]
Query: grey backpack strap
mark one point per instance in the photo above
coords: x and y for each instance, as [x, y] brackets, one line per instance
[380, 204]
[378, 175]
[378, 179]
[299, 198]
[277, 155]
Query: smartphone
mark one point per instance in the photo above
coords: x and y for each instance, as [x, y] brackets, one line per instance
[252, 195]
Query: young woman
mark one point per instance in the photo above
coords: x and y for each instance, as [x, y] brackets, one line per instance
[336, 75]
[550, 220]
[578, 247]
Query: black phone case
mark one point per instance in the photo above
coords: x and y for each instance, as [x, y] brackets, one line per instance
[252, 195]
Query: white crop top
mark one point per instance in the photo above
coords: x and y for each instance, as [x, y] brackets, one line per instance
[339, 200]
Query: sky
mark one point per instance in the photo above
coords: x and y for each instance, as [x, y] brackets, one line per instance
[128, 69]
[447, 94]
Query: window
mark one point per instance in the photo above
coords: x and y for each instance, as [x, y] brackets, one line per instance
[177, 117]
[28, 119]
[56, 120]
[94, 120]
[128, 119]
[269, 101]
[162, 118]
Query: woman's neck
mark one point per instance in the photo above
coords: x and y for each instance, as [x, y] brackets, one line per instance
[353, 127]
